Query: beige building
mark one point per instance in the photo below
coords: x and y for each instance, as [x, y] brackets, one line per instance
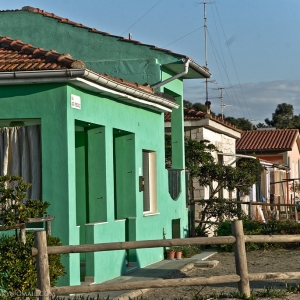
[281, 148]
[200, 126]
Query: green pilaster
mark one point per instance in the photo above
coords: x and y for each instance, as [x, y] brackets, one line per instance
[97, 203]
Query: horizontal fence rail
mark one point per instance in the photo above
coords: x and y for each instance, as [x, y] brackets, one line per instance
[137, 245]
[242, 277]
[160, 283]
[289, 238]
[164, 283]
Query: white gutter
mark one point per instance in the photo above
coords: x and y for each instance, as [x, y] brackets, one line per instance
[186, 69]
[127, 89]
[36, 76]
[200, 69]
[124, 96]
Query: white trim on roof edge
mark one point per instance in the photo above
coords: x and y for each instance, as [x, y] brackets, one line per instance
[90, 80]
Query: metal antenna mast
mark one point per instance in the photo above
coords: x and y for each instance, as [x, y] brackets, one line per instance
[221, 99]
[206, 55]
[207, 102]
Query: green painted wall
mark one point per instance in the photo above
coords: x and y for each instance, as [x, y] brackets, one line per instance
[48, 103]
[87, 193]
[101, 53]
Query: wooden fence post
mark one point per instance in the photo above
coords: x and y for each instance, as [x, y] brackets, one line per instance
[48, 227]
[40, 242]
[240, 257]
[23, 234]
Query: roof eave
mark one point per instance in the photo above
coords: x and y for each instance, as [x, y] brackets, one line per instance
[96, 80]
[194, 71]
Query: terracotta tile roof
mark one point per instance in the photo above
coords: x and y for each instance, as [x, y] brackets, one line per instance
[17, 56]
[194, 115]
[267, 140]
[67, 21]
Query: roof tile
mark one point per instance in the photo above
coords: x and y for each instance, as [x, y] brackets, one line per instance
[14, 54]
[194, 115]
[17, 56]
[67, 21]
[267, 140]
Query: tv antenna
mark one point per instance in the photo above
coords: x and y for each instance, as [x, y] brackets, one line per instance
[223, 105]
[252, 120]
[207, 102]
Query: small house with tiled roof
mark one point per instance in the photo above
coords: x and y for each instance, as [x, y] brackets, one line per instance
[203, 126]
[158, 76]
[93, 146]
[280, 147]
[109, 54]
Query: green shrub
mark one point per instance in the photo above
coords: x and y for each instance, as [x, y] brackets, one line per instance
[257, 228]
[15, 206]
[18, 274]
[17, 266]
[189, 251]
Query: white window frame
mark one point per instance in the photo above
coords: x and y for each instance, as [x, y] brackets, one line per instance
[150, 182]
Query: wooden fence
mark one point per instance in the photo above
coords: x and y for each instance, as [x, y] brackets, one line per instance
[270, 211]
[242, 277]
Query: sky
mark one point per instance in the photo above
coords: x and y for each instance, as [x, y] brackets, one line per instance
[252, 46]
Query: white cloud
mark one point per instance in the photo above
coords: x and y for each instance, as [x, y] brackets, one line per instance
[253, 101]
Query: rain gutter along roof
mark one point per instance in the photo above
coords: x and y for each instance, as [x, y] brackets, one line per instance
[90, 79]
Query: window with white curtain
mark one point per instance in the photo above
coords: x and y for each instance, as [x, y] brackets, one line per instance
[20, 154]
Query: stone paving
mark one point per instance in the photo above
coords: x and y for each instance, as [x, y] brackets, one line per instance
[157, 270]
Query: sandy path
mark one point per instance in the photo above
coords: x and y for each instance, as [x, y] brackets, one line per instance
[258, 262]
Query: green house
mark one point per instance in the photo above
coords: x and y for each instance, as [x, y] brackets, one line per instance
[97, 152]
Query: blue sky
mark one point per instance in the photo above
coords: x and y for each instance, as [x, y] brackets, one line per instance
[253, 46]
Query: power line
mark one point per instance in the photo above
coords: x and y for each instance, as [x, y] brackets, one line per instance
[233, 65]
[141, 17]
[183, 37]
[217, 56]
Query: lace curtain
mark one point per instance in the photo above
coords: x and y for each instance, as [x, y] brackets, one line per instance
[20, 154]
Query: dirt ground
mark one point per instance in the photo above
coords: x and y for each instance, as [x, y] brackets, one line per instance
[258, 262]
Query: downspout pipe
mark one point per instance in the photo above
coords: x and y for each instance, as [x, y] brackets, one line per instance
[186, 69]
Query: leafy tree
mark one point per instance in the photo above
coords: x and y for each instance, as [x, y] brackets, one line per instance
[217, 177]
[296, 121]
[240, 123]
[196, 106]
[187, 104]
[199, 106]
[283, 117]
[202, 166]
[261, 125]
[15, 207]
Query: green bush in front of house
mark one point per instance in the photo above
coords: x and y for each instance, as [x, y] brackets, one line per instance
[18, 274]
[257, 228]
[15, 207]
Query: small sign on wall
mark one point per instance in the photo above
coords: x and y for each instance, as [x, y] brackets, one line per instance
[75, 102]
